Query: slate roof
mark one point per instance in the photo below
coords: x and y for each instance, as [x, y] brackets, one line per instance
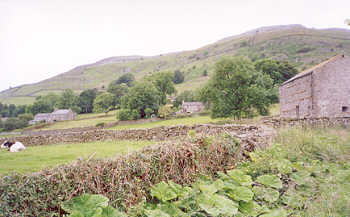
[61, 112]
[310, 70]
[192, 103]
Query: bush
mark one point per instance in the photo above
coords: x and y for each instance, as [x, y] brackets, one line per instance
[165, 111]
[14, 123]
[27, 117]
[148, 112]
[134, 114]
[125, 180]
[124, 115]
[102, 124]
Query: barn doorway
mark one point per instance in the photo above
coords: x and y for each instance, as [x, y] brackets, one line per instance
[297, 111]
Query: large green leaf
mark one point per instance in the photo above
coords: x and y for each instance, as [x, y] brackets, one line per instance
[212, 188]
[163, 192]
[270, 181]
[171, 210]
[178, 189]
[267, 194]
[284, 166]
[86, 204]
[112, 212]
[251, 208]
[241, 193]
[301, 177]
[239, 177]
[156, 213]
[275, 213]
[217, 205]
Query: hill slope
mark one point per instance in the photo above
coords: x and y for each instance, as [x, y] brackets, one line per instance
[301, 46]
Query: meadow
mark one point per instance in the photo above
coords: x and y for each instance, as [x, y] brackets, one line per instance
[35, 158]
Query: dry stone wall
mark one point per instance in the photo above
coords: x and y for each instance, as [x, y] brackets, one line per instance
[307, 122]
[155, 134]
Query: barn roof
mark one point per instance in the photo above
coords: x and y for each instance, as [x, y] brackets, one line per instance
[310, 70]
[39, 115]
[61, 112]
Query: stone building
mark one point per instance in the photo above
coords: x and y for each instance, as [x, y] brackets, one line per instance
[321, 91]
[191, 107]
[57, 115]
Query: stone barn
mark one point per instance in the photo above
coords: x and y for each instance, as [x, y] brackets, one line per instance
[191, 107]
[57, 115]
[321, 91]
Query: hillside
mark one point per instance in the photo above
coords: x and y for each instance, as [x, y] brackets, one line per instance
[302, 46]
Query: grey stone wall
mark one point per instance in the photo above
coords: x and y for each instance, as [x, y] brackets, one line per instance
[293, 94]
[155, 134]
[332, 89]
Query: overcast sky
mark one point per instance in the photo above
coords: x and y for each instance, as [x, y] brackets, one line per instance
[43, 38]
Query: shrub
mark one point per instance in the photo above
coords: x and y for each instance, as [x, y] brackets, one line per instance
[124, 115]
[134, 114]
[124, 180]
[27, 117]
[164, 111]
[14, 123]
[148, 112]
[101, 124]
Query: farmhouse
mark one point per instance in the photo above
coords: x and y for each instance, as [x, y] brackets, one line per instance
[321, 91]
[191, 107]
[56, 115]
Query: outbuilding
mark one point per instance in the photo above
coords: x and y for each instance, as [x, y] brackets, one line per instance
[321, 91]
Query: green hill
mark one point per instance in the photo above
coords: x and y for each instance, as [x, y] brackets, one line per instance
[303, 47]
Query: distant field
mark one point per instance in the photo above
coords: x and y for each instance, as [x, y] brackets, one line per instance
[171, 122]
[84, 120]
[18, 100]
[35, 158]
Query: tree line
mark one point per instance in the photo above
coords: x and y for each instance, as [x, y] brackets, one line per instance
[237, 88]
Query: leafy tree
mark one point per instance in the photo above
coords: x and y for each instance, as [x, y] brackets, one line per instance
[187, 96]
[279, 71]
[68, 100]
[127, 79]
[163, 83]
[103, 102]
[27, 116]
[40, 106]
[118, 90]
[14, 123]
[51, 98]
[237, 89]
[142, 96]
[179, 77]
[124, 114]
[86, 100]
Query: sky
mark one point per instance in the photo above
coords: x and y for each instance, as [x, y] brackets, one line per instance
[43, 38]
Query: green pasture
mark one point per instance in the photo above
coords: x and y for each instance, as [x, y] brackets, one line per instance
[37, 157]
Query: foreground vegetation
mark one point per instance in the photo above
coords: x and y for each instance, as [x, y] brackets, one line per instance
[33, 159]
[306, 173]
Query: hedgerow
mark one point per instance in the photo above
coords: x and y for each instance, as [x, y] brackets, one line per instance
[125, 180]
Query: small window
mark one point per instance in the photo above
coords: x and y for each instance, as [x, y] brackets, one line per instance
[345, 109]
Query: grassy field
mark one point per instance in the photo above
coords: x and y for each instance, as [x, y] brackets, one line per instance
[37, 157]
[84, 120]
[171, 122]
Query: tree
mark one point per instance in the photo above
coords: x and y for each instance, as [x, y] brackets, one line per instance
[68, 100]
[118, 90]
[187, 96]
[86, 100]
[237, 89]
[163, 81]
[14, 123]
[27, 116]
[40, 106]
[142, 96]
[127, 79]
[103, 102]
[179, 77]
[279, 71]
